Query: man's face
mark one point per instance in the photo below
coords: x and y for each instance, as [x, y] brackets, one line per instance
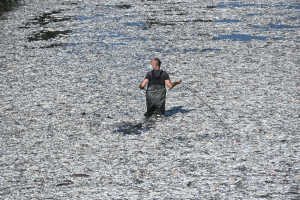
[152, 63]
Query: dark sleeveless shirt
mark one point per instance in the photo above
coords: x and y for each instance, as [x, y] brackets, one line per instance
[157, 77]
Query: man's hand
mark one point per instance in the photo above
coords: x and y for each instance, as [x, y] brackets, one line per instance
[179, 81]
[176, 82]
[143, 84]
[171, 85]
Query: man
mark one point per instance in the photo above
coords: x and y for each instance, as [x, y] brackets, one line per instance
[156, 91]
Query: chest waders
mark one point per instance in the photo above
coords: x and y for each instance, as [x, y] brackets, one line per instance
[155, 96]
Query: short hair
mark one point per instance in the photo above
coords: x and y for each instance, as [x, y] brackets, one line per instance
[157, 61]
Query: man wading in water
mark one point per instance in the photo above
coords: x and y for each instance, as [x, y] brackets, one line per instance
[156, 91]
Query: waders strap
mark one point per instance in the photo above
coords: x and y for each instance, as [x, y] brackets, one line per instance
[155, 80]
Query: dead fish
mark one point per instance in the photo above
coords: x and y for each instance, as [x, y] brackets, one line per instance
[80, 175]
[65, 183]
[139, 125]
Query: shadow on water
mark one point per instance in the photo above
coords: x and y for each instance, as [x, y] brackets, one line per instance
[46, 35]
[129, 128]
[177, 109]
[137, 128]
[7, 5]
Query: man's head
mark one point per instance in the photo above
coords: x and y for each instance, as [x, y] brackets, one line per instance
[155, 62]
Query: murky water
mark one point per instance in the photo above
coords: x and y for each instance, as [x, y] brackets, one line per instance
[71, 112]
[7, 5]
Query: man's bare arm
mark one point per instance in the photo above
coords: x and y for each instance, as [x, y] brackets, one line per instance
[143, 84]
[171, 85]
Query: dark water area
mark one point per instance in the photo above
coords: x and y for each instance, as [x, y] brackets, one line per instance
[46, 18]
[7, 5]
[46, 35]
[71, 111]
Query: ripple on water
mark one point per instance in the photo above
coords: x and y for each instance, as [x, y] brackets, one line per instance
[150, 23]
[240, 37]
[228, 21]
[274, 26]
[91, 18]
[180, 139]
[238, 5]
[295, 5]
[54, 45]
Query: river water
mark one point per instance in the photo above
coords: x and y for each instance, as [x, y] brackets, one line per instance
[71, 112]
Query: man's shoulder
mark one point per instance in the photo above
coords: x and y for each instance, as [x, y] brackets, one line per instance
[164, 72]
[148, 74]
[165, 75]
